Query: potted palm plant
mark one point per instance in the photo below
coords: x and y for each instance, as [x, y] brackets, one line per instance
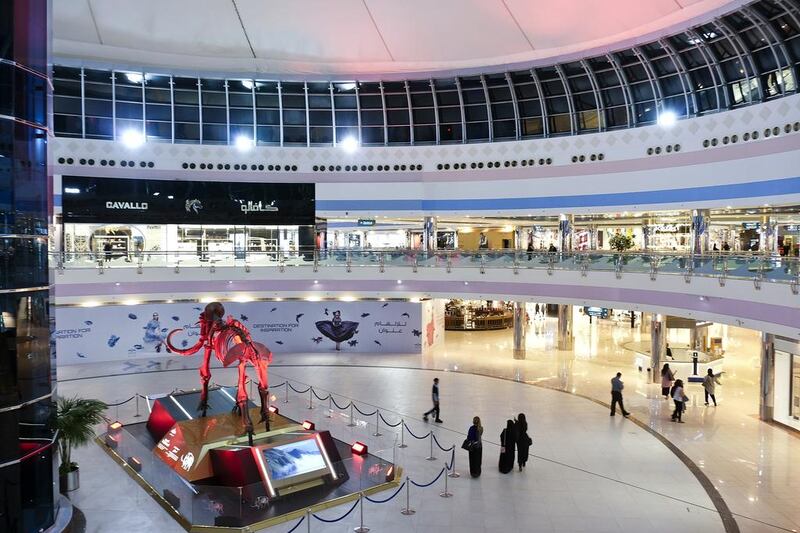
[75, 421]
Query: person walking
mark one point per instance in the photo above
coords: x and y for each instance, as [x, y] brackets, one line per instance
[507, 441]
[435, 397]
[680, 400]
[475, 447]
[530, 250]
[710, 382]
[107, 251]
[524, 440]
[616, 395]
[667, 377]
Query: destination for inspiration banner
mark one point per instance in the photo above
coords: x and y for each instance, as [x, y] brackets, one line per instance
[114, 333]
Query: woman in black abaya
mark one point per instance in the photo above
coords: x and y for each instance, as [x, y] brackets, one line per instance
[475, 447]
[524, 441]
[508, 439]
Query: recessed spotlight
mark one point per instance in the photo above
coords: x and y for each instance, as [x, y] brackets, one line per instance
[316, 281]
[243, 143]
[132, 138]
[349, 144]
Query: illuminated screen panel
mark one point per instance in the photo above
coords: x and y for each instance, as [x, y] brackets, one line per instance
[293, 459]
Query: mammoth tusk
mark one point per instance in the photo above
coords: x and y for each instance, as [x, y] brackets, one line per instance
[182, 351]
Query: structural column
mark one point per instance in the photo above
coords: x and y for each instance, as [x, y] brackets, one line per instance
[658, 345]
[520, 238]
[646, 229]
[565, 338]
[27, 363]
[700, 222]
[565, 227]
[429, 234]
[766, 399]
[519, 330]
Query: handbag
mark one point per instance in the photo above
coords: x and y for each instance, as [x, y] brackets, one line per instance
[467, 444]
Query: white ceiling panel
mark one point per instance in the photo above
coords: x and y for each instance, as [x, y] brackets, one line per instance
[447, 30]
[311, 31]
[352, 38]
[190, 27]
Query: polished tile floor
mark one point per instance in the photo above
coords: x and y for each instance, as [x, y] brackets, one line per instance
[590, 472]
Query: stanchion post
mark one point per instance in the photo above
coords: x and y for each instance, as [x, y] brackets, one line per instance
[446, 493]
[453, 474]
[330, 406]
[431, 456]
[361, 528]
[352, 419]
[310, 398]
[137, 415]
[407, 510]
[308, 520]
[377, 424]
[286, 397]
[403, 434]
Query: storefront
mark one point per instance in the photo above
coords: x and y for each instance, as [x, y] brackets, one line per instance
[477, 315]
[787, 383]
[125, 218]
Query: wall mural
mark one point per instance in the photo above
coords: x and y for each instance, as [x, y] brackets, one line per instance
[114, 333]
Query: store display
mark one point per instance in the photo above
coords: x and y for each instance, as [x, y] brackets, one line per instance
[478, 315]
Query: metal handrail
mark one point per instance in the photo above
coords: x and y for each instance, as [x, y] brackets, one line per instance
[728, 265]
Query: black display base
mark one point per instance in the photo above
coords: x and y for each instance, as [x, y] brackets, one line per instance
[205, 503]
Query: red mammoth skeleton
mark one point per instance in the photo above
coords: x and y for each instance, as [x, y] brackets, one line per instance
[231, 342]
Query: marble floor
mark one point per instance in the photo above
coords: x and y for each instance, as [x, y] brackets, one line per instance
[589, 472]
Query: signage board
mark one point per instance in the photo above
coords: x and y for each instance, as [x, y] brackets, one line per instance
[140, 201]
[366, 221]
[751, 225]
[600, 312]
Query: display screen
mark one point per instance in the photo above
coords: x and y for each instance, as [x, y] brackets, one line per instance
[293, 459]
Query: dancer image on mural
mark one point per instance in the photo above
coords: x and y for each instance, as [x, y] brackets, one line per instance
[336, 329]
[153, 334]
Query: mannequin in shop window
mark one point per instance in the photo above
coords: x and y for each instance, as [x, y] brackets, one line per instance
[483, 243]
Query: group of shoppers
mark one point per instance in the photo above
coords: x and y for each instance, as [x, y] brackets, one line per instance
[514, 441]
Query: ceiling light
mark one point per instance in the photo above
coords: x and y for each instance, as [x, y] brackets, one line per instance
[667, 119]
[248, 84]
[134, 77]
[243, 143]
[132, 138]
[349, 144]
[399, 281]
[72, 190]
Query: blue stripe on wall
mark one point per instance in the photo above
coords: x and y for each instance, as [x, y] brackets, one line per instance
[57, 200]
[665, 196]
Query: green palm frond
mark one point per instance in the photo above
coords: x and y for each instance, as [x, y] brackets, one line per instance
[75, 421]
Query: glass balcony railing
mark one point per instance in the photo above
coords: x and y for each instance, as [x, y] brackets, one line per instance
[772, 268]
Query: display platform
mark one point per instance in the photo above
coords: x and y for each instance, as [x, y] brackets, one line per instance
[683, 363]
[203, 470]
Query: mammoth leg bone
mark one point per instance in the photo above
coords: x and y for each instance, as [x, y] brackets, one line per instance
[205, 377]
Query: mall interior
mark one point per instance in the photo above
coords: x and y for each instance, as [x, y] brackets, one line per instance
[390, 266]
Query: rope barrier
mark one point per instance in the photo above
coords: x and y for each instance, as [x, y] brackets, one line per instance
[387, 499]
[453, 447]
[427, 484]
[299, 391]
[302, 519]
[337, 519]
[318, 396]
[339, 406]
[363, 413]
[121, 403]
[387, 422]
[415, 436]
[452, 459]
[278, 385]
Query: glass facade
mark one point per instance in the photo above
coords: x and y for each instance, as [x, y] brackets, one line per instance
[27, 466]
[745, 57]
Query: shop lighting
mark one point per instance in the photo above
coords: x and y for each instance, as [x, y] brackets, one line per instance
[115, 426]
[349, 144]
[308, 425]
[90, 303]
[399, 281]
[72, 190]
[170, 197]
[347, 299]
[132, 138]
[243, 143]
[359, 448]
[130, 302]
[274, 410]
[156, 194]
[134, 77]
[667, 119]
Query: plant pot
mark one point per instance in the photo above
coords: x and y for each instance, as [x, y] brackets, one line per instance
[69, 481]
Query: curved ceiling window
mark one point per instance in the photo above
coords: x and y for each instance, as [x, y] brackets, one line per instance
[741, 58]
